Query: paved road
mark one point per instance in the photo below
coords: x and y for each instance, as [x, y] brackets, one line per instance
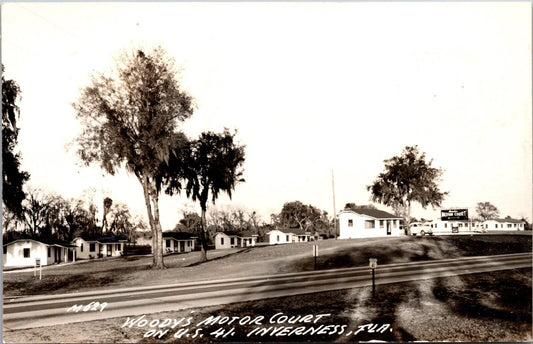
[35, 311]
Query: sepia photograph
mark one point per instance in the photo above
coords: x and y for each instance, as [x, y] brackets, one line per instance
[281, 171]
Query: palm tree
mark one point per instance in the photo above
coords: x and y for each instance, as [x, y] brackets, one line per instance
[213, 165]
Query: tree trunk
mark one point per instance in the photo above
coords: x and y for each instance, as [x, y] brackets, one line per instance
[155, 226]
[203, 238]
[408, 220]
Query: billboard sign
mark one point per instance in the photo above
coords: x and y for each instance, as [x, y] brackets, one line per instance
[454, 214]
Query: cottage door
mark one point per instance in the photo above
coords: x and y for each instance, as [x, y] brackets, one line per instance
[389, 230]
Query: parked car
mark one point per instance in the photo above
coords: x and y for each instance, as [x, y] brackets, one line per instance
[420, 229]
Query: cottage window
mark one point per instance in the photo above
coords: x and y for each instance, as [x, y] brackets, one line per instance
[117, 247]
[350, 223]
[167, 243]
[26, 253]
[188, 243]
[222, 241]
[232, 241]
[5, 249]
[381, 224]
[287, 238]
[369, 224]
[515, 224]
[48, 252]
[278, 238]
[445, 225]
[92, 247]
[81, 248]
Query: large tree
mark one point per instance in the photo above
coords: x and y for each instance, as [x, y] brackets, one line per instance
[13, 178]
[487, 211]
[130, 118]
[212, 165]
[408, 178]
[295, 214]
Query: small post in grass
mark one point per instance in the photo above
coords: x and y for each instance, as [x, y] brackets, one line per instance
[315, 253]
[373, 266]
[37, 264]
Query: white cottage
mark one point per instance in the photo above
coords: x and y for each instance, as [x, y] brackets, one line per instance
[24, 252]
[287, 236]
[88, 247]
[365, 223]
[180, 242]
[230, 239]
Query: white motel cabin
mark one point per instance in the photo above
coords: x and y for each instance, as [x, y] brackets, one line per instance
[25, 252]
[366, 223]
[98, 247]
[179, 242]
[230, 239]
[287, 236]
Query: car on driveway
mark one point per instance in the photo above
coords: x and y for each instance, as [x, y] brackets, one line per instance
[421, 229]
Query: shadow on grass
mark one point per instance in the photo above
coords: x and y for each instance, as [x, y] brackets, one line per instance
[486, 297]
[220, 257]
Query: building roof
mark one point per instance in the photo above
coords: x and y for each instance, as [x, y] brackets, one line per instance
[507, 220]
[179, 235]
[375, 213]
[296, 231]
[49, 242]
[104, 239]
[229, 233]
[248, 234]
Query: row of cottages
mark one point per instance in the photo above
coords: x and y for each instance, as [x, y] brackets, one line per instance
[88, 247]
[477, 226]
[364, 223]
[25, 252]
[229, 239]
[179, 242]
[287, 236]
[504, 225]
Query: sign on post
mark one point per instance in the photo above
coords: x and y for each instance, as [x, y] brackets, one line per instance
[315, 253]
[373, 265]
[37, 265]
[454, 214]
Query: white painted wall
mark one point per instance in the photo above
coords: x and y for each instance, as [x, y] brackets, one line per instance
[358, 229]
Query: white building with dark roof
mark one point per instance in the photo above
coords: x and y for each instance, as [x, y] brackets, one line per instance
[366, 223]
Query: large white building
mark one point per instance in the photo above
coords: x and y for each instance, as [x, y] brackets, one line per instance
[365, 223]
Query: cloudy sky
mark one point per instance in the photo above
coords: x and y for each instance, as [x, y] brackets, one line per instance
[311, 87]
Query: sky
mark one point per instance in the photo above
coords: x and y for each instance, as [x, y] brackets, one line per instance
[314, 90]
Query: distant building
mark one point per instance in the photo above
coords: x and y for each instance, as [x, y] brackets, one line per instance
[25, 252]
[365, 223]
[180, 242]
[504, 225]
[99, 246]
[287, 236]
[231, 239]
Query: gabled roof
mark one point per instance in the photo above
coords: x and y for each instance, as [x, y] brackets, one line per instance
[296, 231]
[248, 234]
[375, 213]
[104, 239]
[229, 233]
[49, 242]
[179, 235]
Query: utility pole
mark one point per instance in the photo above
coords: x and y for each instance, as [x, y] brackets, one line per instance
[334, 211]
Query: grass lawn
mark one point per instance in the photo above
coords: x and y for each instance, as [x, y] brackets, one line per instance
[482, 307]
[135, 271]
